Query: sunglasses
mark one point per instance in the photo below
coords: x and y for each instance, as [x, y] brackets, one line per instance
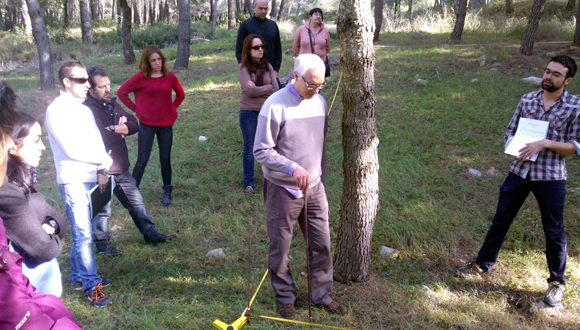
[79, 80]
[258, 47]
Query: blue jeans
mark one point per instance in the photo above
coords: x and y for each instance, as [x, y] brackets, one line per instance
[130, 197]
[248, 123]
[551, 197]
[164, 140]
[82, 260]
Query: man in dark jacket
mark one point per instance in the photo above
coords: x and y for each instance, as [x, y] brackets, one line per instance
[114, 123]
[265, 28]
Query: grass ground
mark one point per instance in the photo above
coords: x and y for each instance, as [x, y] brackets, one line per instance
[430, 137]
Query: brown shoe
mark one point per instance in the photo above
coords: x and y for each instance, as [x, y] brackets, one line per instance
[336, 308]
[287, 311]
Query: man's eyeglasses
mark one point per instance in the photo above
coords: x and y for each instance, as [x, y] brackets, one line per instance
[258, 47]
[554, 74]
[78, 80]
[312, 87]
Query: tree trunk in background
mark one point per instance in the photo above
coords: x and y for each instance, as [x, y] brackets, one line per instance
[281, 10]
[360, 193]
[577, 29]
[182, 59]
[459, 19]
[274, 10]
[509, 6]
[128, 52]
[25, 18]
[93, 5]
[136, 12]
[410, 10]
[144, 11]
[69, 12]
[533, 22]
[42, 45]
[231, 14]
[113, 10]
[101, 9]
[570, 5]
[213, 16]
[379, 5]
[86, 26]
[443, 9]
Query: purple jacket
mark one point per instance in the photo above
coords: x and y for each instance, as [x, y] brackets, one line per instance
[21, 306]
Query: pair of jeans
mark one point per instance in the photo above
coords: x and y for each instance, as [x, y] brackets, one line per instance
[45, 277]
[77, 208]
[248, 123]
[551, 196]
[164, 140]
[130, 197]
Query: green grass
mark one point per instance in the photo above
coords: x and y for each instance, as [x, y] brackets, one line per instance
[429, 138]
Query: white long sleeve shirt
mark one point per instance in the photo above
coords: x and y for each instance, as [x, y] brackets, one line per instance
[75, 140]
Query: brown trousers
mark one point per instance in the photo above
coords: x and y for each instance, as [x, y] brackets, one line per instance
[282, 213]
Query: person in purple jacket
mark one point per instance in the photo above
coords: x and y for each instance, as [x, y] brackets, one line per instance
[21, 305]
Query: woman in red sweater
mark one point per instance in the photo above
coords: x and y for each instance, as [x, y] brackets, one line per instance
[156, 110]
[313, 37]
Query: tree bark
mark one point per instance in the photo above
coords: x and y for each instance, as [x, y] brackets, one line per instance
[360, 192]
[459, 19]
[68, 12]
[136, 12]
[274, 10]
[378, 18]
[231, 14]
[182, 59]
[213, 13]
[86, 26]
[577, 29]
[42, 44]
[570, 5]
[443, 6]
[533, 22]
[509, 6]
[26, 18]
[410, 10]
[93, 5]
[238, 6]
[281, 10]
[128, 52]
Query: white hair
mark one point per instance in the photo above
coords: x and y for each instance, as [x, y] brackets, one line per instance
[308, 62]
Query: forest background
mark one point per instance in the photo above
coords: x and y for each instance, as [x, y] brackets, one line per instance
[442, 108]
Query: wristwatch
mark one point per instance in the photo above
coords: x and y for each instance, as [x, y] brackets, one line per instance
[103, 171]
[111, 128]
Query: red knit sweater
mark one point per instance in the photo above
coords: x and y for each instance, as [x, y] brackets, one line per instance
[153, 98]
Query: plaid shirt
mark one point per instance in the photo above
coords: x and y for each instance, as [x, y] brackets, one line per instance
[564, 127]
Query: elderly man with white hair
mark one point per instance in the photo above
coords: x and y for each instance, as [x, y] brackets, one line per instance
[289, 144]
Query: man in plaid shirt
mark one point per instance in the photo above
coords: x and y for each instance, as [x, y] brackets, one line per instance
[546, 177]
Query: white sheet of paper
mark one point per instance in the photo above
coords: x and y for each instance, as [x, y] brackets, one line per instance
[529, 130]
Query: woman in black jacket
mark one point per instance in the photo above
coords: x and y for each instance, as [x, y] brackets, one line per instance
[35, 230]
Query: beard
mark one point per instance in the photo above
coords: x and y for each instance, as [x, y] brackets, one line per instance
[549, 86]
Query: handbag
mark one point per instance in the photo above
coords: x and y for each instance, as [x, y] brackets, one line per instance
[326, 64]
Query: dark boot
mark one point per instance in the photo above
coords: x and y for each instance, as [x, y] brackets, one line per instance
[167, 190]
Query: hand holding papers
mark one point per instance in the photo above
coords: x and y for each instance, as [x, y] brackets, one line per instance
[529, 130]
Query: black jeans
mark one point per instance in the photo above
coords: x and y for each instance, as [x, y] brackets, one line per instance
[130, 197]
[165, 140]
[551, 196]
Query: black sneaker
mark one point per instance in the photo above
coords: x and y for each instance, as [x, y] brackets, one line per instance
[471, 269]
[78, 285]
[109, 250]
[162, 239]
[98, 297]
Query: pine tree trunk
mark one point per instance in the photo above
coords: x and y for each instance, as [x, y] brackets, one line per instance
[231, 14]
[113, 10]
[360, 192]
[238, 6]
[509, 6]
[378, 18]
[26, 18]
[93, 5]
[577, 28]
[42, 44]
[410, 10]
[86, 26]
[182, 60]
[533, 22]
[459, 19]
[443, 9]
[274, 10]
[570, 5]
[136, 12]
[213, 13]
[281, 10]
[128, 52]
